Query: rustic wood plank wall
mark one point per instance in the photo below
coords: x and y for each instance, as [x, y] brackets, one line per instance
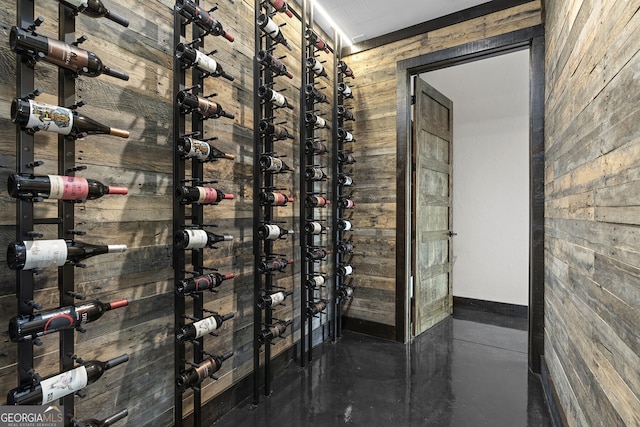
[375, 173]
[592, 292]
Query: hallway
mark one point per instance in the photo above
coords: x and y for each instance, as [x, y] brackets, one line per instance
[469, 370]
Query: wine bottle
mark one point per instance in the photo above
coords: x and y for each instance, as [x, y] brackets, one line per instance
[273, 331]
[276, 98]
[314, 227]
[34, 116]
[29, 187]
[316, 40]
[37, 254]
[344, 270]
[315, 308]
[317, 201]
[194, 58]
[316, 147]
[346, 203]
[345, 90]
[316, 121]
[31, 326]
[274, 299]
[346, 158]
[276, 132]
[202, 18]
[201, 195]
[281, 6]
[345, 180]
[344, 69]
[107, 422]
[273, 164]
[95, 9]
[198, 239]
[267, 25]
[317, 67]
[344, 225]
[201, 150]
[201, 327]
[274, 199]
[278, 264]
[315, 174]
[344, 292]
[317, 254]
[207, 109]
[206, 368]
[272, 232]
[345, 247]
[314, 282]
[345, 136]
[57, 386]
[314, 93]
[345, 114]
[266, 59]
[205, 282]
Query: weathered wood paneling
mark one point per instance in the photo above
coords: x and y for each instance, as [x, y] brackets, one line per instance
[592, 245]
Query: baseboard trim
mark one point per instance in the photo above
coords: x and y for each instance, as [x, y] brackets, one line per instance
[374, 329]
[551, 396]
[513, 310]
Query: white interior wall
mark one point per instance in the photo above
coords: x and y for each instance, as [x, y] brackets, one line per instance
[490, 175]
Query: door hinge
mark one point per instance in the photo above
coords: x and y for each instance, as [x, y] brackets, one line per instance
[413, 100]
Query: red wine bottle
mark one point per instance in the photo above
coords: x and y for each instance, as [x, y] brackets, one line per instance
[316, 40]
[314, 93]
[314, 282]
[273, 164]
[275, 199]
[316, 66]
[314, 227]
[277, 67]
[95, 9]
[201, 195]
[345, 180]
[57, 386]
[345, 136]
[198, 239]
[278, 133]
[35, 116]
[317, 254]
[346, 158]
[315, 174]
[107, 422]
[78, 60]
[206, 368]
[31, 326]
[274, 331]
[281, 6]
[30, 187]
[274, 299]
[201, 150]
[344, 225]
[347, 203]
[267, 25]
[276, 98]
[316, 147]
[278, 264]
[194, 58]
[202, 18]
[345, 247]
[317, 201]
[272, 232]
[344, 270]
[345, 70]
[345, 114]
[316, 121]
[205, 282]
[207, 109]
[344, 292]
[201, 327]
[37, 254]
[345, 90]
[315, 308]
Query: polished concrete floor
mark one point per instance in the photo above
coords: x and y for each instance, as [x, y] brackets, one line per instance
[469, 370]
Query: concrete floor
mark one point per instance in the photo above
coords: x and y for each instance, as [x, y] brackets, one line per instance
[469, 370]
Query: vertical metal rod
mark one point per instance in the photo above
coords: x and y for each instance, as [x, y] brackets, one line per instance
[303, 209]
[337, 170]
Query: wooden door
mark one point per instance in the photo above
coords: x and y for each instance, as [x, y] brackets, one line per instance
[432, 195]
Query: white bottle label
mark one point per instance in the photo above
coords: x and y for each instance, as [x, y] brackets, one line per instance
[206, 63]
[199, 149]
[317, 67]
[206, 325]
[346, 90]
[197, 239]
[347, 225]
[277, 298]
[318, 280]
[347, 181]
[347, 270]
[45, 253]
[271, 28]
[316, 228]
[276, 165]
[273, 232]
[278, 99]
[63, 384]
[320, 122]
[51, 118]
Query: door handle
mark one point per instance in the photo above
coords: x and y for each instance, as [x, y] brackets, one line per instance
[451, 233]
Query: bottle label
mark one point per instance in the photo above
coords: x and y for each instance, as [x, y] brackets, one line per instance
[346, 225]
[45, 253]
[347, 270]
[196, 239]
[321, 122]
[279, 199]
[203, 283]
[346, 90]
[271, 28]
[317, 174]
[205, 63]
[276, 165]
[317, 67]
[207, 109]
[207, 195]
[68, 187]
[63, 384]
[273, 232]
[67, 56]
[346, 181]
[316, 228]
[277, 298]
[206, 325]
[318, 280]
[278, 99]
[199, 149]
[51, 118]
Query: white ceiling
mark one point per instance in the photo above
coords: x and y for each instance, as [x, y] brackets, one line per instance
[365, 19]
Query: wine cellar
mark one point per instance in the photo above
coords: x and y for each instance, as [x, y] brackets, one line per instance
[241, 212]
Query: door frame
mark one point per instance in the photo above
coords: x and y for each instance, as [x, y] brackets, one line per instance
[531, 38]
